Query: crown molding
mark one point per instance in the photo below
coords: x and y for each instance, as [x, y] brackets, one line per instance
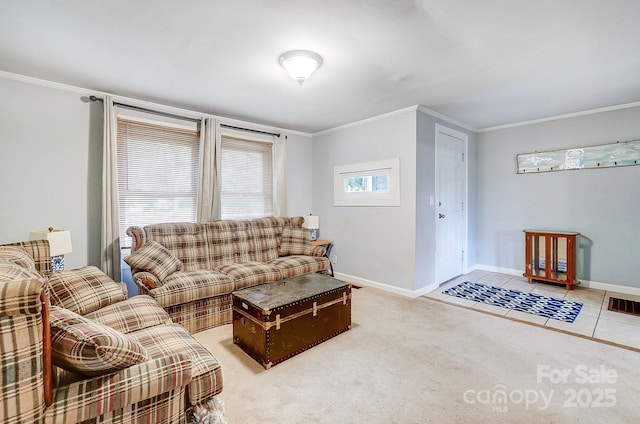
[191, 113]
[365, 121]
[446, 118]
[49, 84]
[559, 117]
[398, 112]
[143, 103]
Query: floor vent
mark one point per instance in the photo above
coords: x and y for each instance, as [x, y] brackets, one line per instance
[625, 306]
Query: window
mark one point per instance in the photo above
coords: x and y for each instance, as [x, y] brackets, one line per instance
[246, 188]
[157, 174]
[367, 184]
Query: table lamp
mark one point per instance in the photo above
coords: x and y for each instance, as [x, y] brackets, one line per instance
[312, 222]
[59, 245]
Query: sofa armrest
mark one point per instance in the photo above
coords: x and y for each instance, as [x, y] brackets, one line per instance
[26, 380]
[146, 281]
[92, 397]
[21, 297]
[318, 251]
[138, 237]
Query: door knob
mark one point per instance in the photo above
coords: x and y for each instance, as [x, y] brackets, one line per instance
[440, 215]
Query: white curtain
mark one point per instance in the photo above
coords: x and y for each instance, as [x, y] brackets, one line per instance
[209, 187]
[280, 175]
[110, 242]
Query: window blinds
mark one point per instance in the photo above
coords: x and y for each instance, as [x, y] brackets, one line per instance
[246, 188]
[157, 174]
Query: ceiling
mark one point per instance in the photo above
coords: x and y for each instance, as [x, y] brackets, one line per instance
[484, 63]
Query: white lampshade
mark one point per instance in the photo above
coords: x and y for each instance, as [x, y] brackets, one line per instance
[311, 222]
[59, 240]
[300, 64]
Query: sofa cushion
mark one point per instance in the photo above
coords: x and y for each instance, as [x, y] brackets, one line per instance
[40, 252]
[154, 258]
[231, 241]
[268, 232]
[250, 274]
[187, 241]
[188, 286]
[290, 266]
[84, 290]
[11, 271]
[266, 243]
[84, 346]
[133, 314]
[169, 339]
[295, 241]
[18, 256]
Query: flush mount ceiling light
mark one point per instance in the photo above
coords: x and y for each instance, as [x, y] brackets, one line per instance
[300, 64]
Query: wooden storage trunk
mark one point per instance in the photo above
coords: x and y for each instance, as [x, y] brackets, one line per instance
[273, 322]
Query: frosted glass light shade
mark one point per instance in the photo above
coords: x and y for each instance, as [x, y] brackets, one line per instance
[59, 240]
[300, 64]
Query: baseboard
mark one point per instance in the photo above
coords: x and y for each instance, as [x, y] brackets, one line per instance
[583, 283]
[490, 268]
[610, 287]
[386, 287]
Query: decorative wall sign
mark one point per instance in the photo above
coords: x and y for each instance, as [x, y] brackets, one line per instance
[626, 153]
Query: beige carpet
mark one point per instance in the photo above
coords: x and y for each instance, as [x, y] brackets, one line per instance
[421, 361]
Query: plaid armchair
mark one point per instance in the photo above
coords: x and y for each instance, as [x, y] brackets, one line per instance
[74, 349]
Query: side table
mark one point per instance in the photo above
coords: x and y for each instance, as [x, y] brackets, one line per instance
[328, 245]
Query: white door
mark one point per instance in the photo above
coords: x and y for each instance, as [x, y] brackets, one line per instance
[451, 188]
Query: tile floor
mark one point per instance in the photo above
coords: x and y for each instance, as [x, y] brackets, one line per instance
[594, 320]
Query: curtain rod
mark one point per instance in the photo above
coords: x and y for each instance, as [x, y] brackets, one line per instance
[250, 130]
[143, 109]
[97, 99]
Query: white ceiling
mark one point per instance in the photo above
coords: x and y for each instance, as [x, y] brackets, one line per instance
[484, 63]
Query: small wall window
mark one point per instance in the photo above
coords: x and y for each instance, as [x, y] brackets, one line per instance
[367, 184]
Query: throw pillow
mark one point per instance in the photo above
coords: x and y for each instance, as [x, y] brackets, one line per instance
[295, 241]
[154, 258]
[83, 346]
[84, 290]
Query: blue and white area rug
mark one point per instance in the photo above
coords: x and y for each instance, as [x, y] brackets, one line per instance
[544, 306]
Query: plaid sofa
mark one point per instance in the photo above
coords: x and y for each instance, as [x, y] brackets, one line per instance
[74, 349]
[191, 269]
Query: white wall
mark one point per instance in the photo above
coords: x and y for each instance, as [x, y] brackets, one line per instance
[299, 174]
[51, 167]
[602, 204]
[372, 243]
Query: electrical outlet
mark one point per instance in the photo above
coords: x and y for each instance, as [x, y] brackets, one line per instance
[334, 259]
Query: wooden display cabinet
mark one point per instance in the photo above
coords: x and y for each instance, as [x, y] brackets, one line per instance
[551, 256]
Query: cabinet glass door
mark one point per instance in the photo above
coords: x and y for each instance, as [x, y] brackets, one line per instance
[538, 255]
[559, 258]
